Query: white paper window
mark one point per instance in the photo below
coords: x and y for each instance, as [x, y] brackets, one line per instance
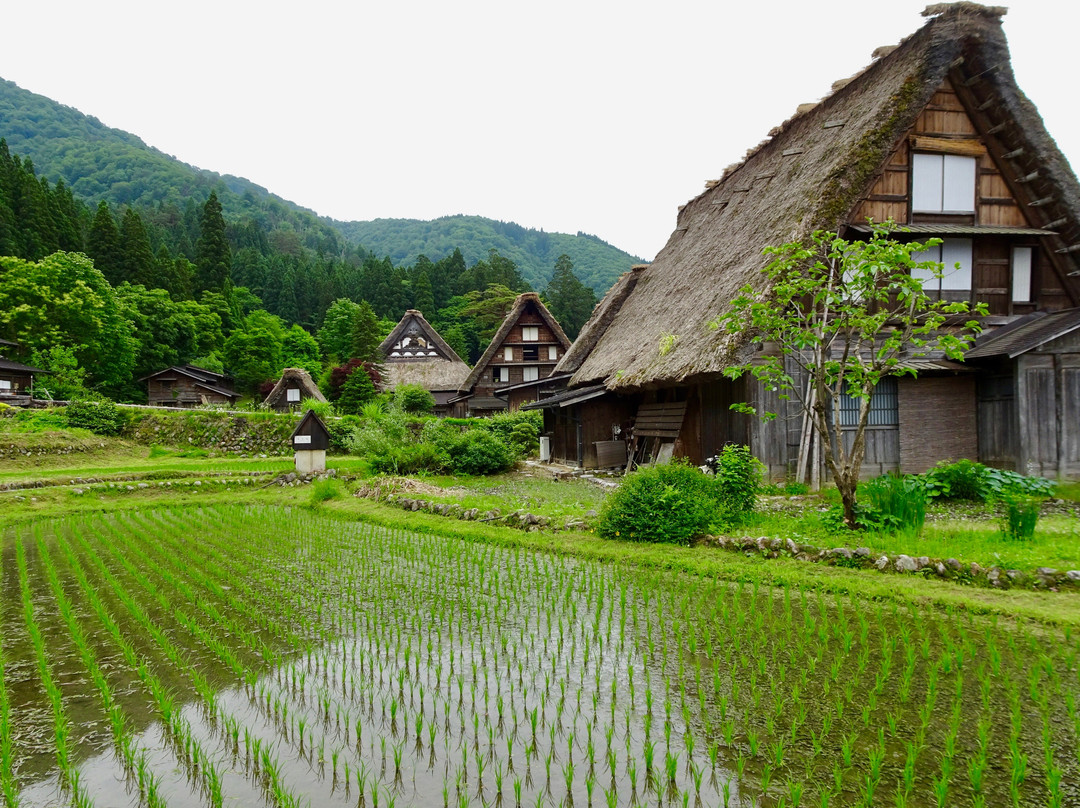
[292, 394]
[530, 374]
[553, 352]
[530, 333]
[951, 252]
[1021, 274]
[500, 374]
[508, 354]
[943, 183]
[5, 384]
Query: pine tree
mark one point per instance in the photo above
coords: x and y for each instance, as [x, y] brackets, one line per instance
[366, 336]
[571, 302]
[423, 299]
[138, 258]
[214, 259]
[103, 245]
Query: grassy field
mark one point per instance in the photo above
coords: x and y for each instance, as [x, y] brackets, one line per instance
[168, 643]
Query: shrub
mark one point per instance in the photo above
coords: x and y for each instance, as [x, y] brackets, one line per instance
[519, 430]
[1019, 514]
[323, 409]
[480, 452]
[738, 482]
[897, 503]
[670, 503]
[355, 392]
[413, 398]
[341, 432]
[410, 459]
[966, 479]
[100, 417]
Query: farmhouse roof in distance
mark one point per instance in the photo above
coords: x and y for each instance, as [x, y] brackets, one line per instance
[812, 173]
[415, 353]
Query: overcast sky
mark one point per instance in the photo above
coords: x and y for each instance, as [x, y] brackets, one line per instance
[595, 116]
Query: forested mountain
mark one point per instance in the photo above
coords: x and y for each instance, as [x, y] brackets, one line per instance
[98, 163]
[535, 252]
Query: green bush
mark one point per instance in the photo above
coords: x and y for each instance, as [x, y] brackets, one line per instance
[518, 430]
[323, 409]
[897, 503]
[1019, 515]
[325, 489]
[411, 459]
[966, 479]
[480, 452]
[341, 432]
[413, 398]
[100, 417]
[670, 503]
[738, 482]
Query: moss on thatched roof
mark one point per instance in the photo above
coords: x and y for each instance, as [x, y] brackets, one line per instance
[810, 174]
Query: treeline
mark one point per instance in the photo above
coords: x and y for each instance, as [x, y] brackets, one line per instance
[171, 283]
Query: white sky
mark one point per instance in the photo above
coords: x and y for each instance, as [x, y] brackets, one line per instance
[594, 116]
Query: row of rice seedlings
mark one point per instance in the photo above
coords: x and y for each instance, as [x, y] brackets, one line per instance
[61, 725]
[7, 756]
[134, 758]
[196, 759]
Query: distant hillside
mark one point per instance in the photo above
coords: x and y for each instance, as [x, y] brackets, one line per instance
[101, 163]
[596, 262]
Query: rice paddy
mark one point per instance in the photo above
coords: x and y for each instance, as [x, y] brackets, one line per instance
[269, 656]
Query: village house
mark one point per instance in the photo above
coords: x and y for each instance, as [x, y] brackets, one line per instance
[294, 386]
[521, 356]
[16, 379]
[934, 135]
[188, 386]
[415, 353]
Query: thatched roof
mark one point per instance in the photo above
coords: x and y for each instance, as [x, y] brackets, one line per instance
[294, 377]
[415, 353]
[811, 174]
[522, 301]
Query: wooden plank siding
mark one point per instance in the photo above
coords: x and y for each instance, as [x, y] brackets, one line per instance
[997, 418]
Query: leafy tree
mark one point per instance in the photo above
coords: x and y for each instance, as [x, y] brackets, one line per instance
[571, 302]
[300, 350]
[67, 380]
[164, 329]
[336, 335]
[253, 355]
[214, 260]
[845, 314]
[64, 300]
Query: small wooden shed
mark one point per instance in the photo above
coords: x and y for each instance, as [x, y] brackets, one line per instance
[292, 388]
[309, 441]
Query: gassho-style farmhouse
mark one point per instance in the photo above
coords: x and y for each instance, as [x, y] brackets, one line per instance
[934, 135]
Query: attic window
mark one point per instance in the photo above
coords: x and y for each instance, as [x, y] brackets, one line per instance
[530, 333]
[950, 253]
[553, 352]
[292, 394]
[1021, 274]
[500, 375]
[943, 183]
[530, 353]
[508, 354]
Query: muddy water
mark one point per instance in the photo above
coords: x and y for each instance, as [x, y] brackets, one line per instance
[419, 665]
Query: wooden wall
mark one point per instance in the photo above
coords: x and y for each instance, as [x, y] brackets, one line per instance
[997, 418]
[574, 430]
[1048, 409]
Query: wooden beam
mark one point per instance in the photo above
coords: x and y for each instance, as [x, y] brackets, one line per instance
[1013, 154]
[1038, 203]
[968, 147]
[1034, 175]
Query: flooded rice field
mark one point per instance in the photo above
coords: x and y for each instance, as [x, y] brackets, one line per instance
[261, 656]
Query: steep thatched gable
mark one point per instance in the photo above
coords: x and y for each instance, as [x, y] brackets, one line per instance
[415, 353]
[509, 321]
[812, 174]
[293, 379]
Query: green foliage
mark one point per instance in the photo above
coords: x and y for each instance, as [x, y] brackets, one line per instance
[571, 302]
[898, 503]
[410, 459]
[414, 399]
[64, 300]
[67, 380]
[366, 334]
[341, 431]
[738, 483]
[670, 503]
[253, 352]
[480, 451]
[300, 350]
[357, 390]
[519, 430]
[968, 480]
[100, 417]
[845, 314]
[1019, 515]
[214, 261]
[323, 409]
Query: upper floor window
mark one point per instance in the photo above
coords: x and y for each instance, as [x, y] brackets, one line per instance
[530, 333]
[530, 374]
[954, 254]
[292, 394]
[500, 374]
[508, 354]
[553, 352]
[530, 353]
[1021, 274]
[943, 183]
